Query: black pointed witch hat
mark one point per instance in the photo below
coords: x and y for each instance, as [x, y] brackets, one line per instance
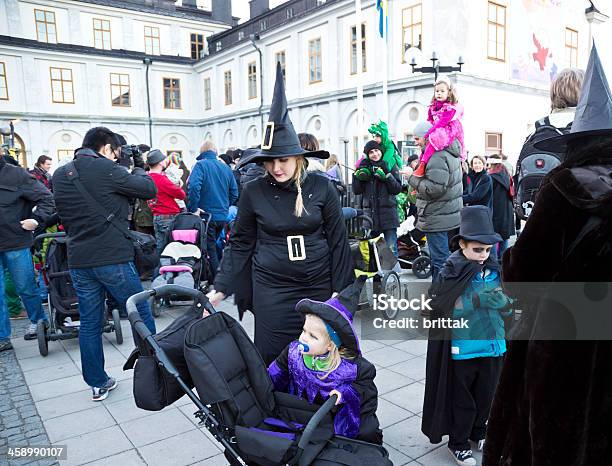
[594, 111]
[279, 137]
[337, 312]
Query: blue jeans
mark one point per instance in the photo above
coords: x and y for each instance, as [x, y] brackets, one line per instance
[390, 238]
[438, 250]
[20, 266]
[91, 285]
[162, 226]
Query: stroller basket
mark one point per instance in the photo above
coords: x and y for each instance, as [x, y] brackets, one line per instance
[235, 398]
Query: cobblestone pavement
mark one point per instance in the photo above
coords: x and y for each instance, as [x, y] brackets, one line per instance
[20, 424]
[48, 400]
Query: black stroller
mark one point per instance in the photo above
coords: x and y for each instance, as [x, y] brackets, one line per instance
[62, 299]
[184, 256]
[236, 401]
[414, 254]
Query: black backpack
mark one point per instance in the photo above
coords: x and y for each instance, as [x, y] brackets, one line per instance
[534, 164]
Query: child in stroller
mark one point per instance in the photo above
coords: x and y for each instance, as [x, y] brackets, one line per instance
[184, 260]
[326, 361]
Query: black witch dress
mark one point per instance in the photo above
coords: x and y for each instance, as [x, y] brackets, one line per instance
[276, 259]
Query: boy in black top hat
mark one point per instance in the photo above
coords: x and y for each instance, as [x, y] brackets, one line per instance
[463, 364]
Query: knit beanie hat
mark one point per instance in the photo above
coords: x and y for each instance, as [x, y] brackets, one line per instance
[371, 145]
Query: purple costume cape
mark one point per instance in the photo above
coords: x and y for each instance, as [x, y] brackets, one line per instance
[305, 383]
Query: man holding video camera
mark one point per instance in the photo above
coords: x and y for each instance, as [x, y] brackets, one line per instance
[92, 197]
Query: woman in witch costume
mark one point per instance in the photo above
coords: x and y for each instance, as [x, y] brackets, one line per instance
[326, 361]
[289, 239]
[553, 404]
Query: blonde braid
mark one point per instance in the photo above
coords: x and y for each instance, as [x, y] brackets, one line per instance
[297, 178]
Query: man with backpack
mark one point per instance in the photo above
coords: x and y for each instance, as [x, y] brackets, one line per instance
[533, 164]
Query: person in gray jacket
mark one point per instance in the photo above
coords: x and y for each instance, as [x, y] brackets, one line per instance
[439, 197]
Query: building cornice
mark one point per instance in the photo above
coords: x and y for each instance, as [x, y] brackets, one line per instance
[92, 51]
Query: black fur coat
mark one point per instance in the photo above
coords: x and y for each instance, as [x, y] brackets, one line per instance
[553, 404]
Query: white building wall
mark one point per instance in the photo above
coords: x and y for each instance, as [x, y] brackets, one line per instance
[501, 97]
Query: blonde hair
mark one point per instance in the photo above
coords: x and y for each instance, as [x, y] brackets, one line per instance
[331, 161]
[452, 90]
[336, 355]
[300, 168]
[565, 88]
[208, 145]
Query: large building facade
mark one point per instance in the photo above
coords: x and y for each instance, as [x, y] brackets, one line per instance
[175, 75]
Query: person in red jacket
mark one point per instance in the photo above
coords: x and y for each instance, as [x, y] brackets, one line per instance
[164, 206]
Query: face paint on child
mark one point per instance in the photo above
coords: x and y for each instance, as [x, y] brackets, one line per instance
[314, 337]
[475, 251]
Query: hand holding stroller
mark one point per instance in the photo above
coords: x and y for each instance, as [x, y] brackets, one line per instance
[235, 397]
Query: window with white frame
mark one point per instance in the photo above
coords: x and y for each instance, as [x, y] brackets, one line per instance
[315, 71]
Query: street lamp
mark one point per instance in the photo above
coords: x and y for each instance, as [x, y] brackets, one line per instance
[436, 68]
[253, 38]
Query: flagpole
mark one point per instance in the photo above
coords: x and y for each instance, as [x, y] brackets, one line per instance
[385, 113]
[359, 124]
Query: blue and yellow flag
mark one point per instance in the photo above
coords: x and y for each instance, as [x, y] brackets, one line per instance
[383, 9]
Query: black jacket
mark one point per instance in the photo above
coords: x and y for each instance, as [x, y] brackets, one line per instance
[503, 211]
[379, 196]
[93, 241]
[480, 190]
[19, 194]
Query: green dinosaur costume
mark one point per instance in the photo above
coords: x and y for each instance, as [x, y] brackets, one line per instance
[390, 153]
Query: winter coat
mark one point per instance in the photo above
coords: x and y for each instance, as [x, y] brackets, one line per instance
[274, 258]
[42, 176]
[485, 335]
[212, 186]
[553, 404]
[440, 191]
[93, 241]
[354, 379]
[248, 173]
[456, 276]
[480, 189]
[19, 194]
[503, 209]
[378, 197]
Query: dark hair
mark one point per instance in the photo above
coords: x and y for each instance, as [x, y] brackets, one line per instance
[120, 139]
[308, 142]
[98, 137]
[42, 159]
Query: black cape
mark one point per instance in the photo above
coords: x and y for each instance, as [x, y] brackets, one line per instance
[455, 276]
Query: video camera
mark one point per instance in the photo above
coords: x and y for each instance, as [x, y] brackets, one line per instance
[131, 154]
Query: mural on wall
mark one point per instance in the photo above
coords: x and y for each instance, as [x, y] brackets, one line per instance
[537, 48]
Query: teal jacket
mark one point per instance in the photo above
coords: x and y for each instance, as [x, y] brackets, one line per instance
[483, 305]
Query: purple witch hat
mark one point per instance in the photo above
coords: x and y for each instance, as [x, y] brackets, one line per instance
[337, 312]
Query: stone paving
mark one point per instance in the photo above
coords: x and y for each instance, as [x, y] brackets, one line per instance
[116, 432]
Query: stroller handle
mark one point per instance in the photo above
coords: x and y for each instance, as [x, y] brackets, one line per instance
[315, 420]
[39, 238]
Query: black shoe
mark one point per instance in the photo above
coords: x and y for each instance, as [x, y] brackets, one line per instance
[5, 345]
[463, 457]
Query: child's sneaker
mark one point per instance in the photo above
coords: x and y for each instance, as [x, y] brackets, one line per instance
[420, 170]
[101, 393]
[463, 457]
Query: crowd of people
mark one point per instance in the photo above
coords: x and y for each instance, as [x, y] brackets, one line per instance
[276, 240]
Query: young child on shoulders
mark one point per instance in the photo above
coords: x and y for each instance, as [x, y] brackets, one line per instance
[327, 360]
[445, 115]
[463, 364]
[175, 174]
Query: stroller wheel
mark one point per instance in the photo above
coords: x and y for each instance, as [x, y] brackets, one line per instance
[155, 307]
[41, 335]
[391, 286]
[421, 267]
[117, 325]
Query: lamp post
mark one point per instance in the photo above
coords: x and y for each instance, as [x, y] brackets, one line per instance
[253, 38]
[436, 68]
